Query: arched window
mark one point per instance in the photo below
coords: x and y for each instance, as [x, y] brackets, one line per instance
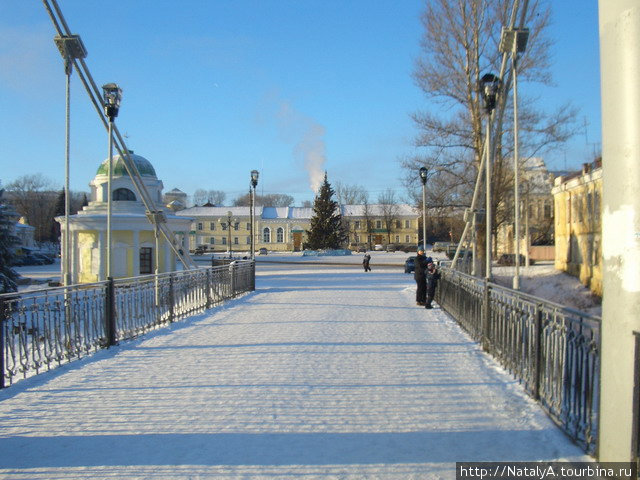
[280, 235]
[123, 195]
[266, 235]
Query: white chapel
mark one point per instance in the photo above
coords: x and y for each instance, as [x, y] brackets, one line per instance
[133, 236]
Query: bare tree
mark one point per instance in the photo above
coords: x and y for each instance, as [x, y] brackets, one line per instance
[389, 209]
[350, 194]
[34, 197]
[459, 45]
[214, 197]
[269, 200]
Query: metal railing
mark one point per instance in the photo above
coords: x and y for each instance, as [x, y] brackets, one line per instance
[42, 329]
[553, 350]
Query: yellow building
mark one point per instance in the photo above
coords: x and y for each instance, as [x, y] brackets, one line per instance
[135, 249]
[577, 201]
[370, 225]
[284, 229]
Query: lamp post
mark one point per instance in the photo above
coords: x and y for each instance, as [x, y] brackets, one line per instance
[112, 95]
[229, 223]
[514, 41]
[71, 48]
[423, 178]
[254, 184]
[489, 86]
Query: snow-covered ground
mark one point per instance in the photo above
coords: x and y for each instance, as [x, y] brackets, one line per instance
[324, 372]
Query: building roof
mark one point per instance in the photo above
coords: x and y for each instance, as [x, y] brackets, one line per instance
[119, 170]
[377, 210]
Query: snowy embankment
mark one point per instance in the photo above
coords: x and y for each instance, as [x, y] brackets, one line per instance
[323, 372]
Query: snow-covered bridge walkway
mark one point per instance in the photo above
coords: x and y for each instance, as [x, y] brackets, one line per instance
[323, 372]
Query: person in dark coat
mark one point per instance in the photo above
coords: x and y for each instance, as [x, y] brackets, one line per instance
[365, 262]
[419, 275]
[432, 277]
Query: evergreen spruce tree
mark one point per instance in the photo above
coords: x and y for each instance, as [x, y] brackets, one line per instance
[59, 210]
[8, 241]
[327, 231]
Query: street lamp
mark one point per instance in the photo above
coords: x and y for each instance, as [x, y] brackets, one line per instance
[112, 95]
[230, 222]
[254, 184]
[489, 86]
[514, 41]
[71, 48]
[423, 178]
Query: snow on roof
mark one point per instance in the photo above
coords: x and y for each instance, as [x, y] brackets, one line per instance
[377, 210]
[216, 211]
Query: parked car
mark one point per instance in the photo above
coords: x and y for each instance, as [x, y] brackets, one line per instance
[362, 249]
[377, 247]
[509, 259]
[262, 251]
[200, 249]
[441, 246]
[410, 265]
[391, 247]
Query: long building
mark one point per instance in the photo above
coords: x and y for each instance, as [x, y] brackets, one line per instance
[284, 228]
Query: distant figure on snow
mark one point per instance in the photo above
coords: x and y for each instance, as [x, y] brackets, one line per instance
[365, 262]
[432, 277]
[419, 275]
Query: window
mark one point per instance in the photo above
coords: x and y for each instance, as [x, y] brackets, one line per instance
[356, 238]
[407, 224]
[236, 241]
[248, 239]
[280, 235]
[356, 225]
[212, 241]
[249, 226]
[224, 226]
[378, 223]
[397, 238]
[224, 240]
[407, 239]
[212, 225]
[199, 225]
[398, 224]
[266, 235]
[146, 260]
[123, 195]
[236, 226]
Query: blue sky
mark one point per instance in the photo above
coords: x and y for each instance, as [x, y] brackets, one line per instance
[213, 89]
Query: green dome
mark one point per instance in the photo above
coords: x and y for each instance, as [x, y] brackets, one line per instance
[144, 166]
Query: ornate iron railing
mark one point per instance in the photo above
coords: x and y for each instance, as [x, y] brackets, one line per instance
[42, 329]
[553, 350]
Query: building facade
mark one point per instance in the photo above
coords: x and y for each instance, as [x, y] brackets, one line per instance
[284, 228]
[536, 211]
[578, 225]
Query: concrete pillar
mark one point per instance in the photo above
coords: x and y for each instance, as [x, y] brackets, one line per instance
[620, 83]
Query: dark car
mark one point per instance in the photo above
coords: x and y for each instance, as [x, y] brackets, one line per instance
[262, 251]
[509, 259]
[410, 265]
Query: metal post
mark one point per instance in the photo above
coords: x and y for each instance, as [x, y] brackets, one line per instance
[516, 171]
[2, 340]
[66, 270]
[424, 216]
[252, 192]
[537, 353]
[109, 211]
[110, 313]
[488, 217]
